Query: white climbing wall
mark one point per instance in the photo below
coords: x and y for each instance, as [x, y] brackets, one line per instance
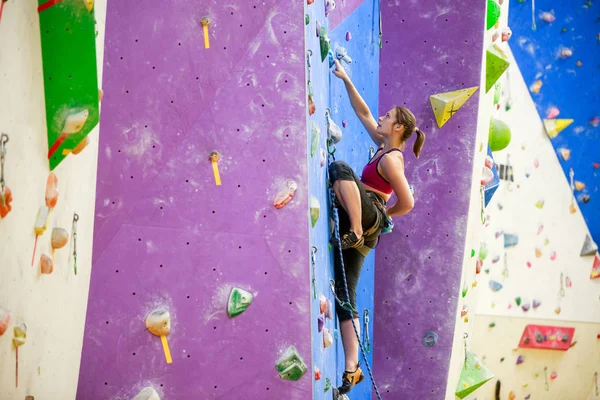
[558, 236]
[52, 306]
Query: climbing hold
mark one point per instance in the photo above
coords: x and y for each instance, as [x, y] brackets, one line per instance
[239, 301]
[329, 6]
[315, 210]
[565, 52]
[536, 86]
[552, 112]
[495, 286]
[595, 274]
[579, 186]
[317, 374]
[502, 359]
[589, 248]
[446, 104]
[51, 190]
[493, 13]
[285, 195]
[311, 105]
[506, 34]
[315, 134]
[536, 303]
[518, 301]
[557, 310]
[520, 360]
[290, 365]
[5, 318]
[540, 204]
[147, 393]
[214, 157]
[430, 339]
[334, 132]
[322, 304]
[46, 264]
[555, 126]
[309, 2]
[466, 320]
[499, 135]
[495, 259]
[320, 323]
[327, 385]
[158, 323]
[348, 36]
[528, 264]
[307, 18]
[205, 22]
[565, 153]
[512, 395]
[318, 28]
[327, 338]
[496, 63]
[464, 311]
[553, 376]
[5, 201]
[510, 240]
[464, 291]
[568, 282]
[528, 397]
[41, 223]
[341, 54]
[329, 310]
[595, 122]
[547, 17]
[472, 253]
[492, 324]
[538, 253]
[323, 157]
[59, 238]
[553, 256]
[344, 123]
[325, 43]
[478, 265]
[585, 198]
[497, 92]
[525, 307]
[495, 37]
[483, 251]
[472, 376]
[19, 339]
[82, 145]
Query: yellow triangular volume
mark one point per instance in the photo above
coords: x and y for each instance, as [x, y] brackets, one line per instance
[445, 105]
[555, 126]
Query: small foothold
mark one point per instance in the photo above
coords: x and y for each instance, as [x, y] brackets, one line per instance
[5, 319]
[51, 190]
[585, 198]
[290, 365]
[536, 303]
[5, 206]
[547, 17]
[512, 395]
[329, 6]
[344, 123]
[518, 301]
[100, 94]
[327, 385]
[315, 210]
[472, 252]
[215, 156]
[307, 19]
[553, 112]
[430, 339]
[525, 307]
[579, 63]
[520, 360]
[553, 376]
[557, 310]
[82, 145]
[317, 374]
[565, 153]
[487, 270]
[495, 286]
[46, 264]
[318, 28]
[553, 256]
[158, 322]
[528, 264]
[538, 253]
[540, 204]
[329, 310]
[528, 397]
[239, 301]
[565, 52]
[323, 157]
[20, 335]
[147, 393]
[322, 304]
[579, 186]
[348, 36]
[502, 359]
[492, 324]
[464, 291]
[320, 323]
[327, 338]
[205, 21]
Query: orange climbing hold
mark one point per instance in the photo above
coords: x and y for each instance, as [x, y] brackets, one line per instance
[51, 190]
[5, 202]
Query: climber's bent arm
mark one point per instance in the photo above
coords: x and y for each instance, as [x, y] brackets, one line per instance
[392, 167]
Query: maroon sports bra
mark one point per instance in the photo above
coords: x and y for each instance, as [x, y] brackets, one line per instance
[372, 177]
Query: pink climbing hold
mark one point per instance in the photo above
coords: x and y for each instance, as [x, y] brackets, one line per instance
[553, 112]
[548, 17]
[285, 195]
[344, 123]
[528, 264]
[322, 304]
[553, 256]
[595, 122]
[348, 36]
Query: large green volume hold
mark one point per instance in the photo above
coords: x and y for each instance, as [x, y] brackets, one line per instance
[68, 37]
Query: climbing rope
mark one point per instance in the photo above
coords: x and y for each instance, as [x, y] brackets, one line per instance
[345, 305]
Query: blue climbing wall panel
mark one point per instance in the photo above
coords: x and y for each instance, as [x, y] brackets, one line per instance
[329, 91]
[571, 88]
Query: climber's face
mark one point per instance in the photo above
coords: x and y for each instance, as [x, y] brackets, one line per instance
[387, 123]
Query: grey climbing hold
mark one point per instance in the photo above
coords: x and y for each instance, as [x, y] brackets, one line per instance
[430, 339]
[147, 393]
[342, 55]
[589, 248]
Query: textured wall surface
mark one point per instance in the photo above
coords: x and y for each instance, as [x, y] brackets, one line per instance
[52, 306]
[329, 91]
[167, 235]
[571, 88]
[428, 48]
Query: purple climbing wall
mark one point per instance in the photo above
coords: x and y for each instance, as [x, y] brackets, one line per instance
[428, 48]
[166, 234]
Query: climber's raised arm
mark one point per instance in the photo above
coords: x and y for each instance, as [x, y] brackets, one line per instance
[358, 104]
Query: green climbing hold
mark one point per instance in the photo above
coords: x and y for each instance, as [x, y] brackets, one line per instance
[465, 289]
[492, 324]
[497, 92]
[472, 376]
[472, 253]
[306, 19]
[499, 135]
[239, 300]
[483, 251]
[325, 44]
[290, 365]
[327, 385]
[493, 13]
[315, 210]
[314, 139]
[518, 301]
[496, 62]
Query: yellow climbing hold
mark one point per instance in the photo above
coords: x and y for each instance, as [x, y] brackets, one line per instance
[496, 62]
[579, 185]
[89, 4]
[555, 126]
[445, 105]
[565, 153]
[536, 86]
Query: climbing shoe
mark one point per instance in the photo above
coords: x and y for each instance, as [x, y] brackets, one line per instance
[349, 379]
[351, 241]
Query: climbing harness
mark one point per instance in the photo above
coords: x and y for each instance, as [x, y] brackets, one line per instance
[345, 305]
[3, 141]
[74, 235]
[366, 339]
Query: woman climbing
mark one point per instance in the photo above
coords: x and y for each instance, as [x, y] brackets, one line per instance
[364, 213]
